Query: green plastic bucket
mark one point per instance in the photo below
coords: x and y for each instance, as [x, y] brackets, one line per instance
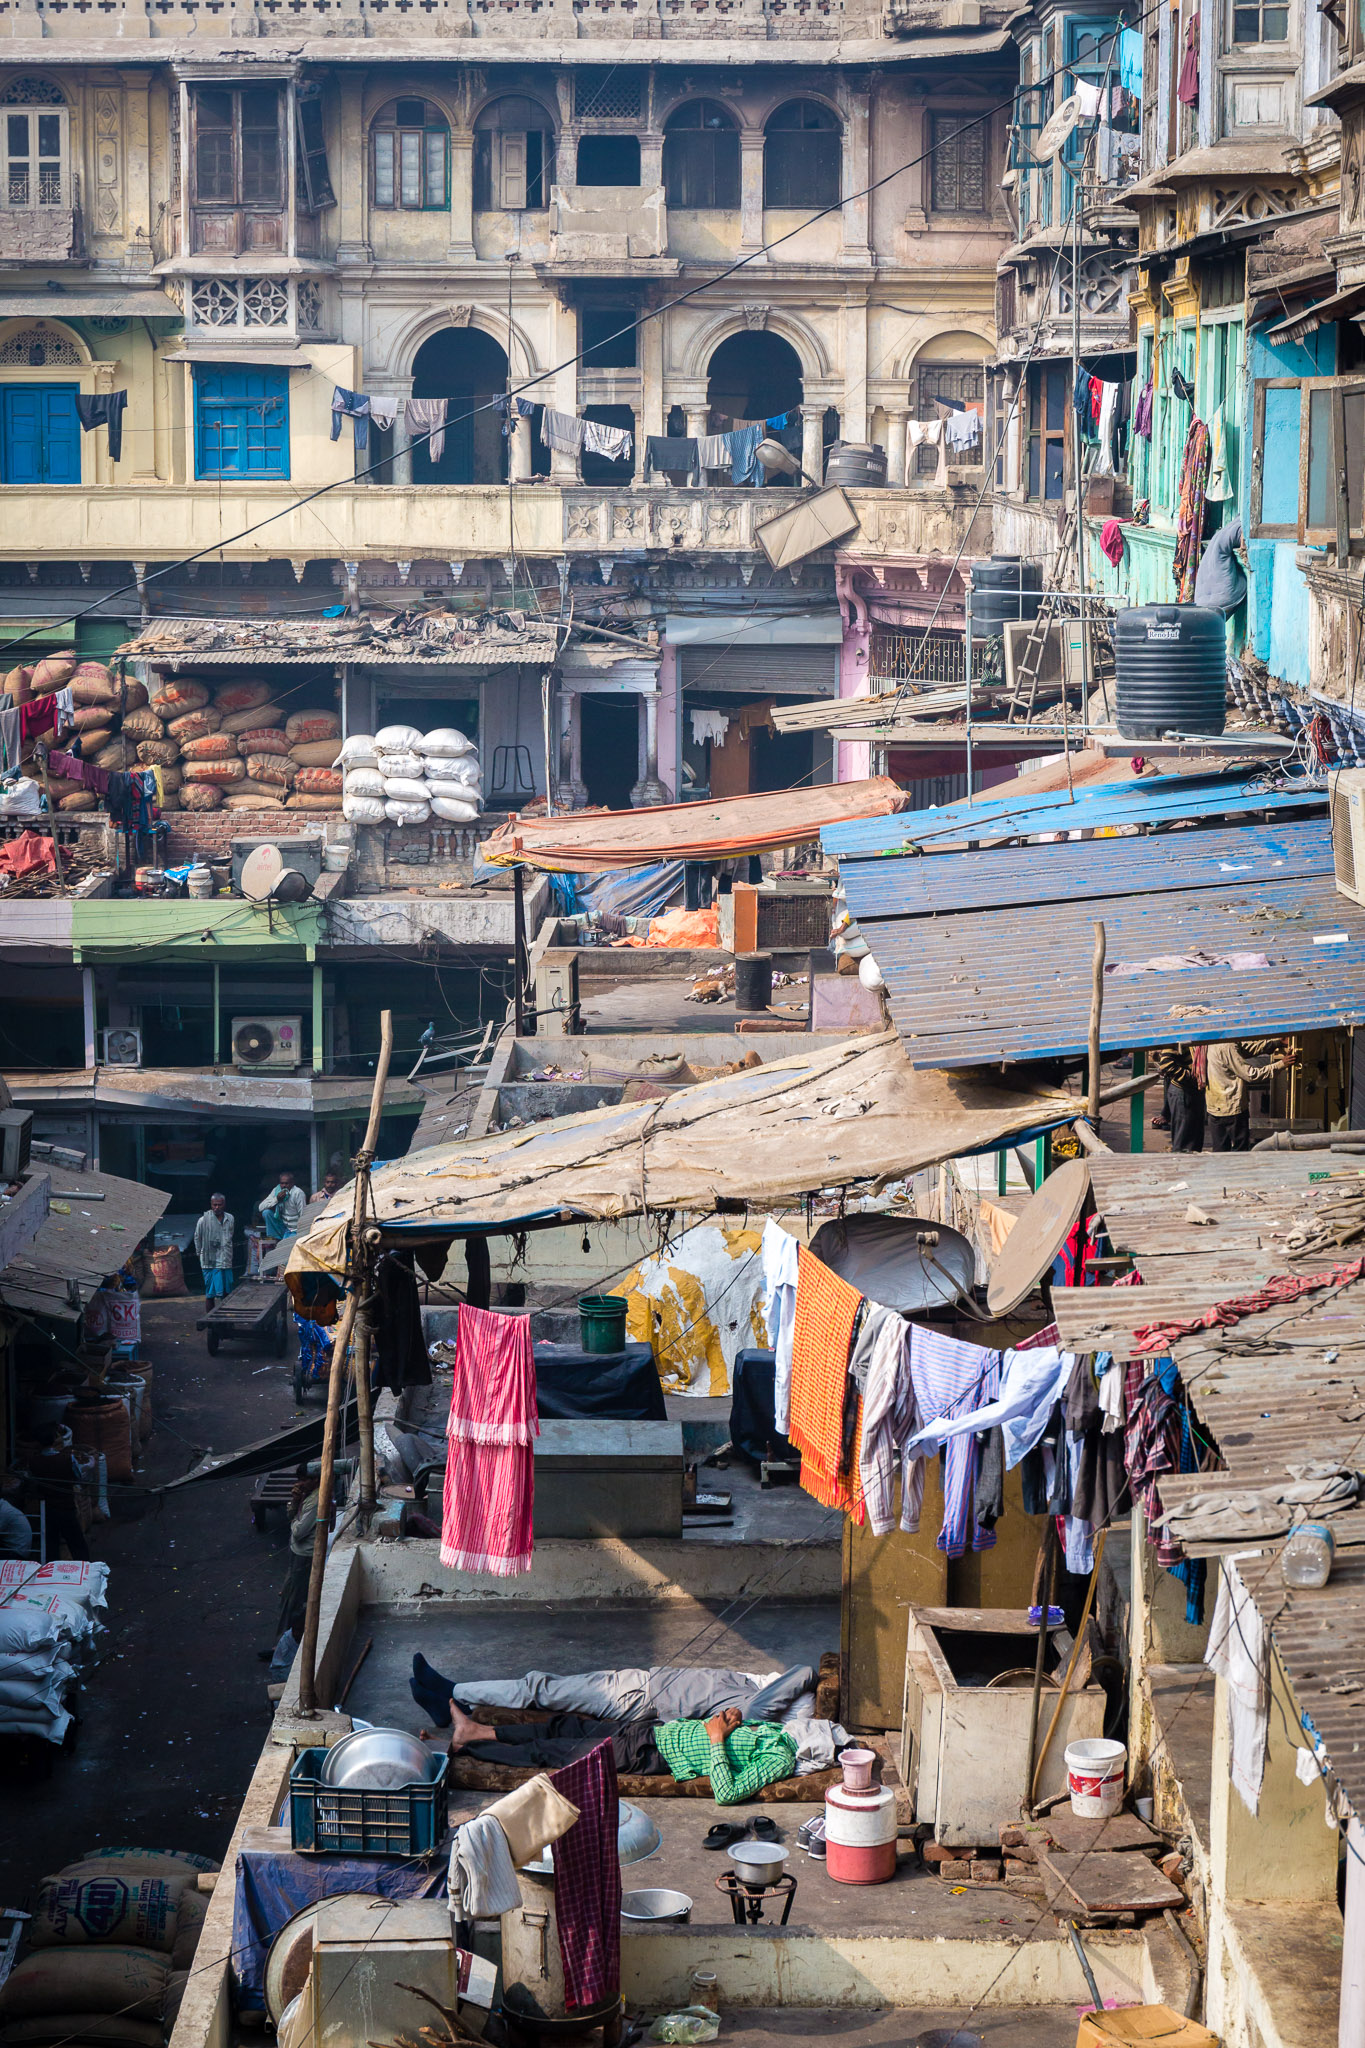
[602, 1318]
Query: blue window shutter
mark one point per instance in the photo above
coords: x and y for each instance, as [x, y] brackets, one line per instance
[41, 434]
[241, 422]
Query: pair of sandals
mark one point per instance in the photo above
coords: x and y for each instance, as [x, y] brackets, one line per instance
[725, 1832]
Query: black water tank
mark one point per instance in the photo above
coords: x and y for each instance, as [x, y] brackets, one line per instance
[858, 463]
[1171, 670]
[1003, 588]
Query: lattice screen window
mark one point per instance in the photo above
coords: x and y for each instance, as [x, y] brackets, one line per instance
[959, 159]
[614, 93]
[242, 302]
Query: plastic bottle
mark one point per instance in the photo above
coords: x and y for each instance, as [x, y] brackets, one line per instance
[704, 1990]
[1307, 1556]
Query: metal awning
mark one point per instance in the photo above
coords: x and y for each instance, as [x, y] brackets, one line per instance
[252, 358]
[1339, 306]
[80, 1243]
[89, 305]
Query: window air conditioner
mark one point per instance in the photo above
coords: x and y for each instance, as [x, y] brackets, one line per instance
[1347, 786]
[122, 1046]
[266, 1043]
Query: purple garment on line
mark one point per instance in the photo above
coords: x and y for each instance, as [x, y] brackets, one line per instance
[1142, 412]
[588, 1881]
[954, 1378]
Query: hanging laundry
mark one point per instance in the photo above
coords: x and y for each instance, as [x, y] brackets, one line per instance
[929, 434]
[1099, 1478]
[1219, 485]
[881, 1367]
[562, 431]
[510, 410]
[481, 1877]
[713, 451]
[400, 1352]
[776, 426]
[962, 429]
[616, 443]
[490, 1478]
[588, 1881]
[1032, 1378]
[383, 412]
[1182, 387]
[72, 769]
[351, 405]
[1088, 99]
[1080, 395]
[947, 1376]
[38, 716]
[1103, 464]
[103, 408]
[672, 455]
[11, 740]
[426, 418]
[778, 1251]
[1194, 469]
[1142, 412]
[1112, 541]
[1238, 1654]
[743, 445]
[713, 726]
[822, 1336]
[1187, 87]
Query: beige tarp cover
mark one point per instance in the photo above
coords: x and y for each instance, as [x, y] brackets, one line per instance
[590, 841]
[840, 1113]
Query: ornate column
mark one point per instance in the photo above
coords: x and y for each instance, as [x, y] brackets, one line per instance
[812, 442]
[519, 452]
[572, 791]
[649, 789]
[353, 192]
[461, 248]
[897, 417]
[856, 158]
[751, 190]
[698, 420]
[651, 384]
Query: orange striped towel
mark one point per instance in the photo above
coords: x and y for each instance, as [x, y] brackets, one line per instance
[826, 1311]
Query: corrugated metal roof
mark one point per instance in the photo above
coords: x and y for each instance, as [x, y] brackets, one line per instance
[1151, 800]
[73, 1252]
[366, 643]
[1276, 1390]
[1004, 985]
[1069, 871]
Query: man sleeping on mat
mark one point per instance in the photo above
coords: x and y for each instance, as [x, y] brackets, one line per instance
[739, 1757]
[659, 1692]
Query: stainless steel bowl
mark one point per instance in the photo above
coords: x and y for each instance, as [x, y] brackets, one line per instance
[376, 1760]
[653, 1906]
[636, 1837]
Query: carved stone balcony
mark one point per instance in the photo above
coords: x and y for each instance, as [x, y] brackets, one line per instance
[38, 234]
[644, 518]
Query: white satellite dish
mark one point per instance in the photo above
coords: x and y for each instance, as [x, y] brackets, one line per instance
[261, 870]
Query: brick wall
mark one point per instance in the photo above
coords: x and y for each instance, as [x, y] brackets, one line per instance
[193, 833]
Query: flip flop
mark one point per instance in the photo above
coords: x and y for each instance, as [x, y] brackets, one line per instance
[721, 1835]
[763, 1829]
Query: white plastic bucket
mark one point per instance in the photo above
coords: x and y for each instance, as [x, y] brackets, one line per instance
[1094, 1774]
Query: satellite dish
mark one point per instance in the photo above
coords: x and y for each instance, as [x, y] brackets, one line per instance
[260, 871]
[774, 459]
[1041, 1229]
[289, 886]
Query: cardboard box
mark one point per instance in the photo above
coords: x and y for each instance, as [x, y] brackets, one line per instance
[1156, 2026]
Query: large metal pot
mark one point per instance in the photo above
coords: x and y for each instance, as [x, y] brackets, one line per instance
[533, 1975]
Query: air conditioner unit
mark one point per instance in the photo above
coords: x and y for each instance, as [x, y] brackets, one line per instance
[122, 1046]
[266, 1044]
[1347, 787]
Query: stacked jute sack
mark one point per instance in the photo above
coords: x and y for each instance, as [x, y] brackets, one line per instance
[237, 749]
[111, 1947]
[49, 1621]
[405, 777]
[98, 699]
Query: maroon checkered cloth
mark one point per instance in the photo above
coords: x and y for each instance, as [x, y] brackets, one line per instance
[588, 1881]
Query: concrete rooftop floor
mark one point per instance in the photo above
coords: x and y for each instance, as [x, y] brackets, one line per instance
[1031, 2027]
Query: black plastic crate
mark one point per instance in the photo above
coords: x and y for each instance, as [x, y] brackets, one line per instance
[409, 1820]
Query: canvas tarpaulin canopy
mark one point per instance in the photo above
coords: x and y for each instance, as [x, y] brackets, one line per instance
[585, 842]
[841, 1113]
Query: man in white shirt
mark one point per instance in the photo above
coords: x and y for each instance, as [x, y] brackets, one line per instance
[213, 1235]
[282, 1210]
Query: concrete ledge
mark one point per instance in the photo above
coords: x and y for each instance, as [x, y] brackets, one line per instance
[1287, 1960]
[610, 1570]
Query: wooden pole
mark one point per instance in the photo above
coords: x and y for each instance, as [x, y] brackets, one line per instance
[1047, 1586]
[51, 817]
[341, 1344]
[1096, 1008]
[519, 952]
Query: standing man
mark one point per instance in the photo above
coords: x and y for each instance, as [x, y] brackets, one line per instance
[1231, 1069]
[282, 1210]
[1185, 1068]
[213, 1235]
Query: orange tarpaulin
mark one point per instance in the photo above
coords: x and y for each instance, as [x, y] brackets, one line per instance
[593, 842]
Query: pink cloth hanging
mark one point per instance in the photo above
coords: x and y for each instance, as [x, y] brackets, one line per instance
[490, 1456]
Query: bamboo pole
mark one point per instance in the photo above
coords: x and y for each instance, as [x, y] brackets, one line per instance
[341, 1343]
[1096, 1007]
[361, 1261]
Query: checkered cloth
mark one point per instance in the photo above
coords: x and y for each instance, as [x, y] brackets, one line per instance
[588, 1881]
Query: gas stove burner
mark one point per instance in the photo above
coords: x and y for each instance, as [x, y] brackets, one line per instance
[746, 1897]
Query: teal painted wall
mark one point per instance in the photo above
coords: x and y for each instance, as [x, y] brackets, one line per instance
[1277, 600]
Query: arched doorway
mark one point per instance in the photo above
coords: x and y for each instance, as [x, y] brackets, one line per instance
[754, 376]
[466, 367]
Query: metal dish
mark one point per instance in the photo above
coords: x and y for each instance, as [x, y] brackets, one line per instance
[376, 1760]
[653, 1906]
[636, 1838]
[758, 1862]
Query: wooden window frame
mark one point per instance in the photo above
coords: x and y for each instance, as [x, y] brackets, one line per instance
[32, 158]
[1340, 534]
[398, 204]
[237, 203]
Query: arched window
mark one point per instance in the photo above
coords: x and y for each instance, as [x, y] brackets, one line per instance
[801, 156]
[514, 157]
[409, 157]
[37, 154]
[701, 157]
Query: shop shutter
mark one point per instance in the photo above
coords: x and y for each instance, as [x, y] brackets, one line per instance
[761, 671]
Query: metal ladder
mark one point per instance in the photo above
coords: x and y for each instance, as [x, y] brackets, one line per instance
[1054, 609]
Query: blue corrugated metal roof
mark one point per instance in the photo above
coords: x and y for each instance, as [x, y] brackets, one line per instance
[1015, 984]
[1151, 800]
[1069, 870]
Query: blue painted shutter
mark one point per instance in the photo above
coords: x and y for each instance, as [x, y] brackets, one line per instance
[23, 435]
[241, 422]
[42, 434]
[62, 435]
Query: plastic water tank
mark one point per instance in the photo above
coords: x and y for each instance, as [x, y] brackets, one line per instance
[1003, 588]
[860, 463]
[1171, 671]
